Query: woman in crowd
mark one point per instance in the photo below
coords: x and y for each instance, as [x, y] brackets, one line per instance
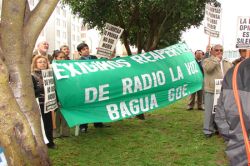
[39, 63]
[62, 129]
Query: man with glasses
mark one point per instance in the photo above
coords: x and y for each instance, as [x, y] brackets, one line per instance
[214, 67]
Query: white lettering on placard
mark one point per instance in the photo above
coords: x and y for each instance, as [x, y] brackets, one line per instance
[58, 71]
[132, 108]
[92, 93]
[191, 67]
[143, 82]
[177, 93]
[176, 76]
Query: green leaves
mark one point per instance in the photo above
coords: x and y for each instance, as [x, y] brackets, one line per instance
[148, 24]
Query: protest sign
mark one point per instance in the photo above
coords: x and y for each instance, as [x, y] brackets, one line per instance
[212, 20]
[50, 101]
[110, 36]
[108, 90]
[243, 32]
[3, 161]
[217, 90]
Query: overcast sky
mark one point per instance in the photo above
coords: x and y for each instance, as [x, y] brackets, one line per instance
[196, 39]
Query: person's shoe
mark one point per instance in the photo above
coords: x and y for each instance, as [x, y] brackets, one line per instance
[202, 109]
[217, 133]
[141, 117]
[100, 125]
[190, 108]
[51, 146]
[208, 135]
[56, 134]
[84, 130]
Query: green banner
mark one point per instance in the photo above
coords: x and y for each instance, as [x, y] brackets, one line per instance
[108, 90]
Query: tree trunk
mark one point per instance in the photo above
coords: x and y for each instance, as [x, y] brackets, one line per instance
[126, 43]
[21, 146]
[20, 124]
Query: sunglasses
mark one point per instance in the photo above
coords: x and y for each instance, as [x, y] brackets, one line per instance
[217, 50]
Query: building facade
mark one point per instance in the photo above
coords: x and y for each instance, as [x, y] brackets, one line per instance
[62, 28]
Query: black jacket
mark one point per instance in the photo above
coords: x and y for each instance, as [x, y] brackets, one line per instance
[37, 80]
[227, 116]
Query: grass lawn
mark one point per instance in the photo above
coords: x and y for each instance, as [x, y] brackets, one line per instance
[169, 136]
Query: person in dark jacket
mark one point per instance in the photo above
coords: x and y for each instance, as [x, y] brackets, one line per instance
[39, 63]
[242, 56]
[198, 57]
[227, 115]
[83, 50]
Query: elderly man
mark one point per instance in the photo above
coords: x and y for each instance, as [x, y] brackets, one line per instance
[214, 67]
[42, 49]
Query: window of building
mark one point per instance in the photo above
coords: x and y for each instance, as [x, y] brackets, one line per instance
[83, 28]
[64, 35]
[64, 24]
[83, 35]
[64, 13]
[58, 44]
[58, 33]
[58, 10]
[58, 22]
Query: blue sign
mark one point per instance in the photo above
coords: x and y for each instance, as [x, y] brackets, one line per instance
[3, 161]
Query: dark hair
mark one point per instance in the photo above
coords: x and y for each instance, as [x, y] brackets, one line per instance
[242, 50]
[81, 46]
[56, 53]
[197, 51]
[63, 47]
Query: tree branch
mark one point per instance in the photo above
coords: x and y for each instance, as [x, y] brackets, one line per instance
[161, 28]
[125, 33]
[11, 28]
[36, 21]
[27, 11]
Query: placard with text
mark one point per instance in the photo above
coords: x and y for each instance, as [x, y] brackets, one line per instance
[110, 36]
[243, 32]
[212, 20]
[50, 101]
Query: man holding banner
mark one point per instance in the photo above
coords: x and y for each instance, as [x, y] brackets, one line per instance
[214, 68]
[83, 50]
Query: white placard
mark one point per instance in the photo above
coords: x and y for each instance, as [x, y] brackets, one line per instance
[212, 20]
[110, 36]
[243, 32]
[217, 90]
[50, 101]
[45, 139]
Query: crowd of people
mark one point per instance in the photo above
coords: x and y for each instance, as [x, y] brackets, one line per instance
[41, 60]
[224, 121]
